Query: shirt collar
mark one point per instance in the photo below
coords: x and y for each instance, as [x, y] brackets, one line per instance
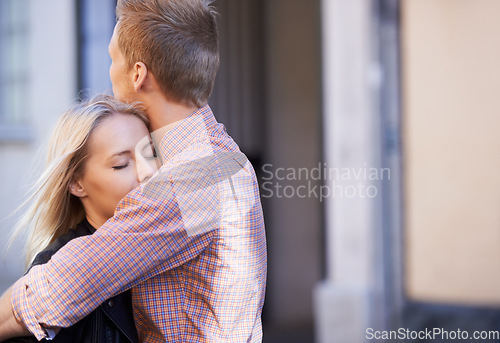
[193, 129]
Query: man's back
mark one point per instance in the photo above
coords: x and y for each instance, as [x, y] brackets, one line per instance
[216, 296]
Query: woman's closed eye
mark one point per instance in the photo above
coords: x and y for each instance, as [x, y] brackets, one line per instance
[120, 160]
[121, 166]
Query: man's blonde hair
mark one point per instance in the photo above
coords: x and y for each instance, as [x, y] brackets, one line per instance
[177, 40]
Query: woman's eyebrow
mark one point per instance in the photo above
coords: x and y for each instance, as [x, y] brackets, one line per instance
[121, 153]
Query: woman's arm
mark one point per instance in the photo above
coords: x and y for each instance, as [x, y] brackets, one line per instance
[9, 326]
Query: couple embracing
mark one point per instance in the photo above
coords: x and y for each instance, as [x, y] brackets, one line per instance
[146, 225]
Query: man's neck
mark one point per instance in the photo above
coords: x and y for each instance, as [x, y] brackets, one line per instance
[162, 112]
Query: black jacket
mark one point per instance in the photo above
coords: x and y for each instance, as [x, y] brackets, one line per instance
[111, 322]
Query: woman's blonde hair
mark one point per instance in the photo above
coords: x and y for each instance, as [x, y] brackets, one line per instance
[53, 210]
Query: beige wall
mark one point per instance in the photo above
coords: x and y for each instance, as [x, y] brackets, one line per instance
[451, 84]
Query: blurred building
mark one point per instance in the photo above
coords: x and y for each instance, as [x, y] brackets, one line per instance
[371, 124]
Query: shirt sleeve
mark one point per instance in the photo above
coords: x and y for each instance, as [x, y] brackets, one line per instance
[158, 226]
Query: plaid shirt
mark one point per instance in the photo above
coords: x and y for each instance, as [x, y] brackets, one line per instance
[190, 243]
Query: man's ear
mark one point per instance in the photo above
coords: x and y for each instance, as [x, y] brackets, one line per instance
[140, 76]
[76, 188]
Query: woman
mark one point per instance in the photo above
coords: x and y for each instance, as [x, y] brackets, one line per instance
[99, 151]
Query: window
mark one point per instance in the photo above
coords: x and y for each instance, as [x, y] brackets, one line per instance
[14, 69]
[96, 19]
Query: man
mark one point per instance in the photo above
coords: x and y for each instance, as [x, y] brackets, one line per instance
[190, 242]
